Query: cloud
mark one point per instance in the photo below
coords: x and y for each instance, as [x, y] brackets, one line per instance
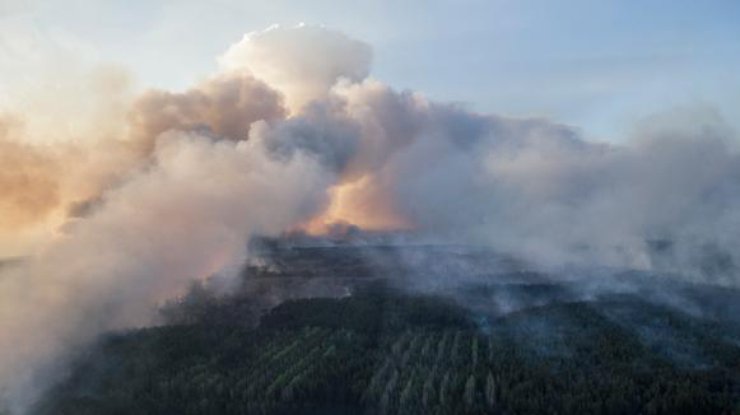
[187, 216]
[28, 179]
[225, 106]
[303, 62]
[529, 187]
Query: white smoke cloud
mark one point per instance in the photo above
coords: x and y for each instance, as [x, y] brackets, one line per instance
[303, 62]
[187, 216]
[225, 105]
[529, 187]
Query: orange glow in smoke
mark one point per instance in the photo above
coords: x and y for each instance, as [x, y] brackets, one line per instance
[355, 204]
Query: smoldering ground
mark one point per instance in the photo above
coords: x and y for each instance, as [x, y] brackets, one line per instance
[292, 133]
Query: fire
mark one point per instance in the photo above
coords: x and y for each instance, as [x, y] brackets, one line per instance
[356, 203]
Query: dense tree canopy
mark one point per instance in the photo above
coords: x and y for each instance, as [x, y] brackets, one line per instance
[383, 352]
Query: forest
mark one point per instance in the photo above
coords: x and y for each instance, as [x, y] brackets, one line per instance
[385, 351]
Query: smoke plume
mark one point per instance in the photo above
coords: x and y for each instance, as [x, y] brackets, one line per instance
[291, 133]
[303, 62]
[186, 216]
[224, 106]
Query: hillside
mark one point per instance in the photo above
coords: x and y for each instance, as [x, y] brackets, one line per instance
[376, 348]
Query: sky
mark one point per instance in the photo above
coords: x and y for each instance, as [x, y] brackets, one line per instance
[601, 66]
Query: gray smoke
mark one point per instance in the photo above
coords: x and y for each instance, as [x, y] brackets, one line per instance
[185, 216]
[666, 199]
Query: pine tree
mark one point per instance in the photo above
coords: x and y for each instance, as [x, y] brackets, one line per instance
[469, 395]
[490, 391]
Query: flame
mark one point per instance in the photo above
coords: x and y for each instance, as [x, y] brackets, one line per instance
[355, 203]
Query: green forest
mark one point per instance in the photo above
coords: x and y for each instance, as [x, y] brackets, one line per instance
[381, 351]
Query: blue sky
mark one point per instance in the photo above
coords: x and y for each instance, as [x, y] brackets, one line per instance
[599, 65]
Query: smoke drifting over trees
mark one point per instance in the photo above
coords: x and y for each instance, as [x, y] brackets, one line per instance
[292, 133]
